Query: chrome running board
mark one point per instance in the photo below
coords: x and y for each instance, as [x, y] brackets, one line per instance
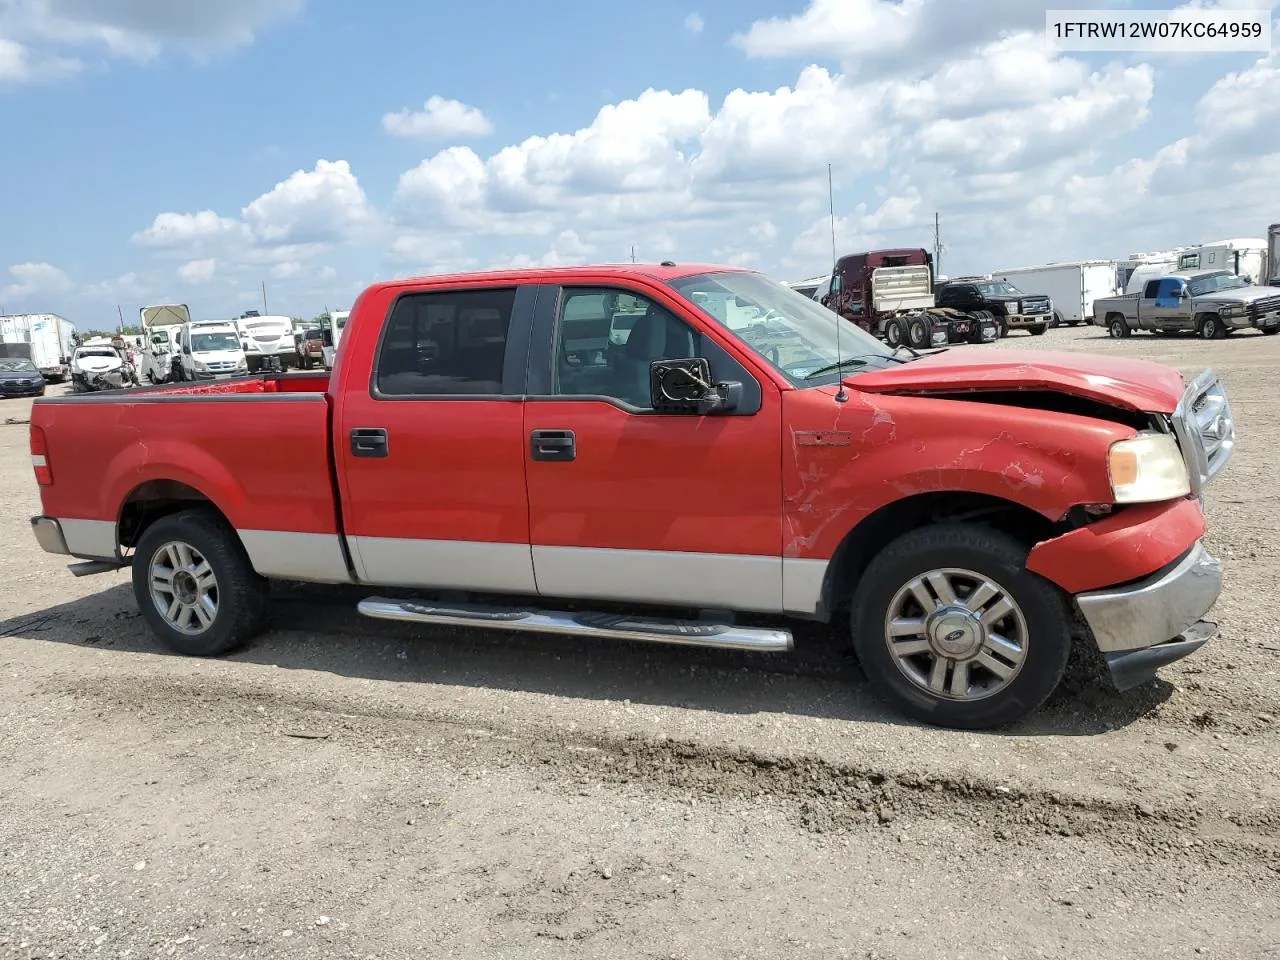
[693, 633]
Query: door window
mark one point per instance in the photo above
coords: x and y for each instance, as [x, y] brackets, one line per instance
[606, 339]
[449, 342]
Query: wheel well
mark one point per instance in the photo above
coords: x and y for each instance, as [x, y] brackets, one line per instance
[873, 534]
[155, 499]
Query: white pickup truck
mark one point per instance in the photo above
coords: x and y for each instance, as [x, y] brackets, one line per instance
[1209, 303]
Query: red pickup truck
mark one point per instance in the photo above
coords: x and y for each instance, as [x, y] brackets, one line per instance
[667, 452]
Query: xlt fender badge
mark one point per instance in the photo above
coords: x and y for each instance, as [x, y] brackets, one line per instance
[823, 438]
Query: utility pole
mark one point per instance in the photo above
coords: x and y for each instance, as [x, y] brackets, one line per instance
[265, 311]
[120, 314]
[633, 253]
[937, 245]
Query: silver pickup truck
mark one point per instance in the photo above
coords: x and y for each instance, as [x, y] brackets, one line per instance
[1209, 303]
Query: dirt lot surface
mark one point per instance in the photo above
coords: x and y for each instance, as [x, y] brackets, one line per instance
[350, 789]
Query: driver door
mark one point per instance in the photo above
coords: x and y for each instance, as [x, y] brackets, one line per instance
[627, 504]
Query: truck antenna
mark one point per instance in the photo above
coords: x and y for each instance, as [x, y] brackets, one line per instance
[842, 395]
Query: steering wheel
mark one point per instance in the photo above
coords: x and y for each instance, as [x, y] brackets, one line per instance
[774, 357]
[773, 315]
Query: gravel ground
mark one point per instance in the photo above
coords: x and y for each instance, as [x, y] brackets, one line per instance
[345, 788]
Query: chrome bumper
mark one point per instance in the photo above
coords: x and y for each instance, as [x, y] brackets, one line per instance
[1148, 624]
[49, 535]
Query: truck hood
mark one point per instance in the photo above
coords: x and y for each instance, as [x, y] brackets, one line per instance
[1243, 295]
[97, 364]
[165, 315]
[1132, 384]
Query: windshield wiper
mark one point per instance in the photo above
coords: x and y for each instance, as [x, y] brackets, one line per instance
[861, 360]
[833, 367]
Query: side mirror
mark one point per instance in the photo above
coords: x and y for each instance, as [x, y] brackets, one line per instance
[685, 386]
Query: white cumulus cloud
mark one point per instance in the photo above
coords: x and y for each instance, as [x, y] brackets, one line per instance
[198, 271]
[34, 279]
[439, 119]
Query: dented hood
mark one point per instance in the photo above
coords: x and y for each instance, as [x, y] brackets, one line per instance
[1135, 384]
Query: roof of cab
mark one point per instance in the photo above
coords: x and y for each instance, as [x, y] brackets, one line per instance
[656, 271]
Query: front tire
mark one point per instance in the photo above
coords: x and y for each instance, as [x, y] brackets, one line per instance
[953, 630]
[1037, 330]
[1212, 327]
[195, 586]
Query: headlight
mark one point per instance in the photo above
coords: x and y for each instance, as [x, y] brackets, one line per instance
[199, 365]
[1147, 468]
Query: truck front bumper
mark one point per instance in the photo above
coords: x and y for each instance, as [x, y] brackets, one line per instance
[1018, 321]
[1143, 626]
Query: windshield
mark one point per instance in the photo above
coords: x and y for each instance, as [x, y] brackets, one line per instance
[1000, 288]
[1216, 283]
[211, 342]
[12, 365]
[794, 334]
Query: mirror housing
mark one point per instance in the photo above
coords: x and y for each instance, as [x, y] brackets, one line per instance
[685, 386]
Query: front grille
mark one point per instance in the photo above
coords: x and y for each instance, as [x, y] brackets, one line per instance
[1205, 429]
[1035, 306]
[1263, 307]
[266, 338]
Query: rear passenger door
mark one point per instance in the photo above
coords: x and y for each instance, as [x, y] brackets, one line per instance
[431, 446]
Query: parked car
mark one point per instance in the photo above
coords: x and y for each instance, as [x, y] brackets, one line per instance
[598, 442]
[1209, 303]
[20, 378]
[1012, 309]
[101, 364]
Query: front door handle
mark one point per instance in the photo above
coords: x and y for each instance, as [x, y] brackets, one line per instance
[553, 445]
[368, 442]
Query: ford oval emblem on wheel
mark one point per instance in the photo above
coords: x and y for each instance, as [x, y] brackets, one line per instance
[953, 637]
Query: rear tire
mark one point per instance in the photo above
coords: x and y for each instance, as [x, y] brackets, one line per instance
[195, 586]
[1117, 327]
[1001, 658]
[894, 335]
[918, 330]
[1272, 332]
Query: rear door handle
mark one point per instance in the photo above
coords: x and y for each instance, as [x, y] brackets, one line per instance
[553, 445]
[368, 442]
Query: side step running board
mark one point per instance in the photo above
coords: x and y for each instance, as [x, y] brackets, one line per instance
[695, 633]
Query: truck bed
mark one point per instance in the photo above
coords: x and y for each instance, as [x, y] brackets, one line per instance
[258, 447]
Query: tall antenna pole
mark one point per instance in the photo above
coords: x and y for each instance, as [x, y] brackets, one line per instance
[633, 253]
[937, 246]
[841, 395]
[120, 314]
[265, 311]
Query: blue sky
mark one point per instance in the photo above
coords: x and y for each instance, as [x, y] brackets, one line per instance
[162, 150]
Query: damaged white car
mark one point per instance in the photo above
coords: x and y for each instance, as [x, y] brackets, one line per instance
[100, 367]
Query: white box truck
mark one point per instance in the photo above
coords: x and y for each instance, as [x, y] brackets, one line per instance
[1071, 286]
[46, 339]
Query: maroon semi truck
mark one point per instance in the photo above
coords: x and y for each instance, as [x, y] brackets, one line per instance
[889, 293]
